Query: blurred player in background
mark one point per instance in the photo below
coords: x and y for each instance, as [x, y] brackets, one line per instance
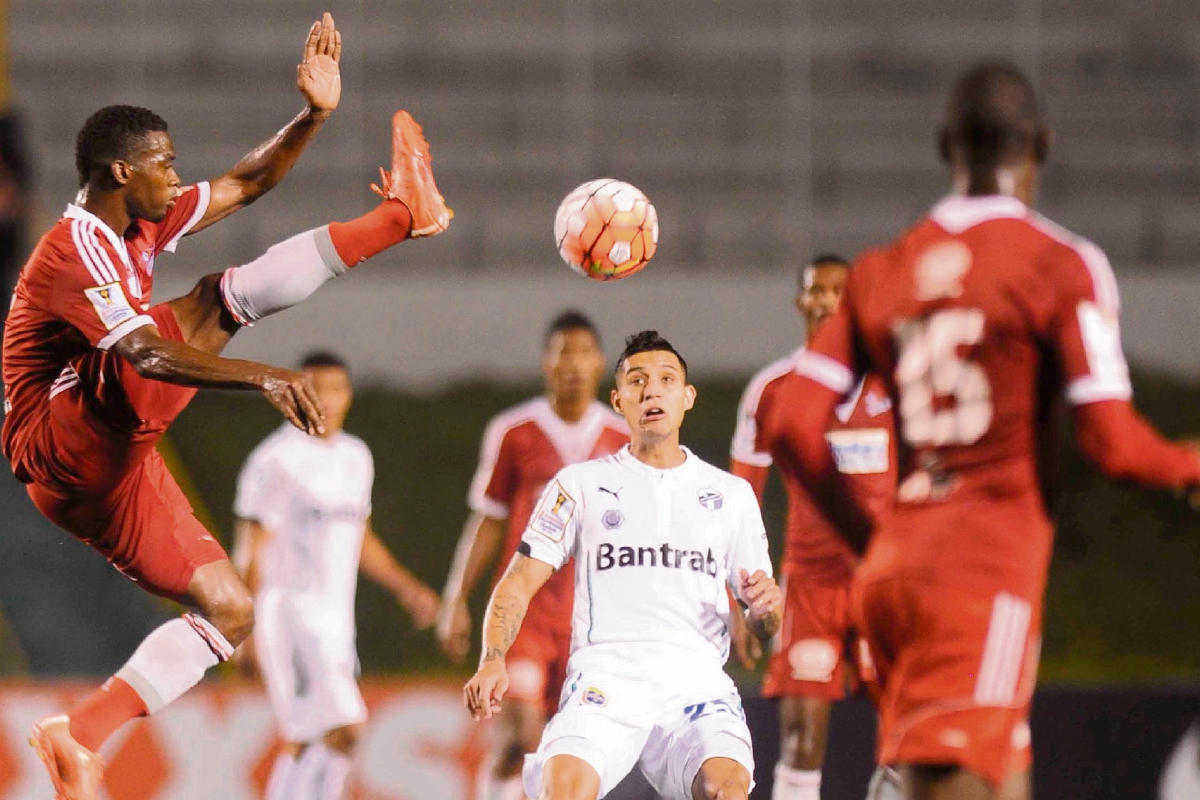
[813, 654]
[94, 374]
[304, 529]
[523, 448]
[661, 538]
[981, 318]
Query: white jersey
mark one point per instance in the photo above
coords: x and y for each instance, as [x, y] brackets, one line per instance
[313, 496]
[654, 551]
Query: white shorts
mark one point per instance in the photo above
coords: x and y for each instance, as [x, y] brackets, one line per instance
[310, 671]
[614, 724]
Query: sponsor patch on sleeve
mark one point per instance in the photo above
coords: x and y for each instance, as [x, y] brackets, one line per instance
[860, 451]
[554, 513]
[110, 304]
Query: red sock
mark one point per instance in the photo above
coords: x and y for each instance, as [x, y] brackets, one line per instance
[105, 710]
[372, 233]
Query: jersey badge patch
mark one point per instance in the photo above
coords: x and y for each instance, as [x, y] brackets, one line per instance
[554, 513]
[710, 499]
[594, 697]
[612, 519]
[110, 304]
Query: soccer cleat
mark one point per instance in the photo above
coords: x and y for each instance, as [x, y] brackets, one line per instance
[411, 179]
[75, 770]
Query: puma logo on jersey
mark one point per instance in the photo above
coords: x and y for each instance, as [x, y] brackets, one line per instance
[616, 494]
[609, 556]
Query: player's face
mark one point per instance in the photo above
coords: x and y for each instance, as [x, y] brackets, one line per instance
[653, 395]
[153, 185]
[821, 293]
[335, 392]
[572, 365]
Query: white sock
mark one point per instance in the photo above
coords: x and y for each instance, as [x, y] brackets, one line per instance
[281, 277]
[173, 659]
[885, 785]
[796, 784]
[320, 774]
[279, 785]
[494, 788]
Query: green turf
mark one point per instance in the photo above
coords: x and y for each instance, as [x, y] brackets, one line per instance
[1122, 603]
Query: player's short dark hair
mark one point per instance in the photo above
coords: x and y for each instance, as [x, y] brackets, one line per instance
[114, 133]
[324, 358]
[827, 259]
[993, 117]
[648, 342]
[570, 320]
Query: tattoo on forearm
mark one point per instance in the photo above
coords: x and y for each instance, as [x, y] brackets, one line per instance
[504, 622]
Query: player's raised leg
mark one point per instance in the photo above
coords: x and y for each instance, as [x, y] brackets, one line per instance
[569, 778]
[721, 779]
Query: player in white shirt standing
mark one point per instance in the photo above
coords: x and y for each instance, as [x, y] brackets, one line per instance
[657, 536]
[304, 532]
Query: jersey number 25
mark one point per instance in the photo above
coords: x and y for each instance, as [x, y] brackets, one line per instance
[945, 399]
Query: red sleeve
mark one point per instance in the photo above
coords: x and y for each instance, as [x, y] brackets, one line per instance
[1124, 445]
[495, 480]
[87, 288]
[189, 209]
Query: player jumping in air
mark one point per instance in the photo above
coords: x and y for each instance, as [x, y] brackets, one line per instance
[523, 448]
[813, 655]
[982, 318]
[304, 522]
[94, 374]
[657, 535]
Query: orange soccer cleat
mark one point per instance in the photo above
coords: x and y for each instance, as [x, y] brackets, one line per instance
[75, 770]
[411, 179]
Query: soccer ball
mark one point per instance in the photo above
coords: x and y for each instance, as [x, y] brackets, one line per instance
[606, 229]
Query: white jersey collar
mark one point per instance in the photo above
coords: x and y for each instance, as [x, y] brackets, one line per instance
[685, 471]
[957, 212]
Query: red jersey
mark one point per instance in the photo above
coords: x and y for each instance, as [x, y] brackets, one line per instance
[83, 288]
[979, 318]
[523, 449]
[860, 437]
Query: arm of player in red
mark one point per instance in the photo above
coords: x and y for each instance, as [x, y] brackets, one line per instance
[318, 77]
[1122, 444]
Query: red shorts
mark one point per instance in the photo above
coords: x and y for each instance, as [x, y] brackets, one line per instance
[956, 667]
[537, 665]
[813, 646]
[94, 471]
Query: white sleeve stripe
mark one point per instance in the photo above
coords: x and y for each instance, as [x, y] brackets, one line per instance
[825, 371]
[489, 507]
[124, 329]
[1090, 389]
[205, 197]
[1104, 283]
[91, 231]
[94, 266]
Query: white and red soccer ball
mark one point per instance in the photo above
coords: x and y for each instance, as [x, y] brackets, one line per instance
[606, 229]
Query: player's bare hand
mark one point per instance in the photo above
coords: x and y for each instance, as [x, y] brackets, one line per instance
[746, 646]
[422, 604]
[761, 594]
[454, 630]
[483, 693]
[318, 76]
[293, 395]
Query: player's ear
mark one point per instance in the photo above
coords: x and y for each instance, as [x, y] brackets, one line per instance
[615, 399]
[944, 147]
[689, 397]
[122, 171]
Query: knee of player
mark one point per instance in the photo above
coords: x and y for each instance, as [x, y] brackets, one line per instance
[233, 615]
[343, 740]
[726, 787]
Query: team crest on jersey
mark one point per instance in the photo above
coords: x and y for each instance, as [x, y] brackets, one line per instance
[710, 499]
[554, 513]
[939, 271]
[612, 519]
[110, 304]
[594, 697]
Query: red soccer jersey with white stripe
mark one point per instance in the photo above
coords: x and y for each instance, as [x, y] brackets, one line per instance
[860, 436]
[523, 449]
[979, 318]
[83, 287]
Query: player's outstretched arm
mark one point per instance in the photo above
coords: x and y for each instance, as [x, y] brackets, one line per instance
[473, 557]
[1123, 444]
[170, 361]
[764, 604]
[378, 564]
[319, 79]
[505, 612]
